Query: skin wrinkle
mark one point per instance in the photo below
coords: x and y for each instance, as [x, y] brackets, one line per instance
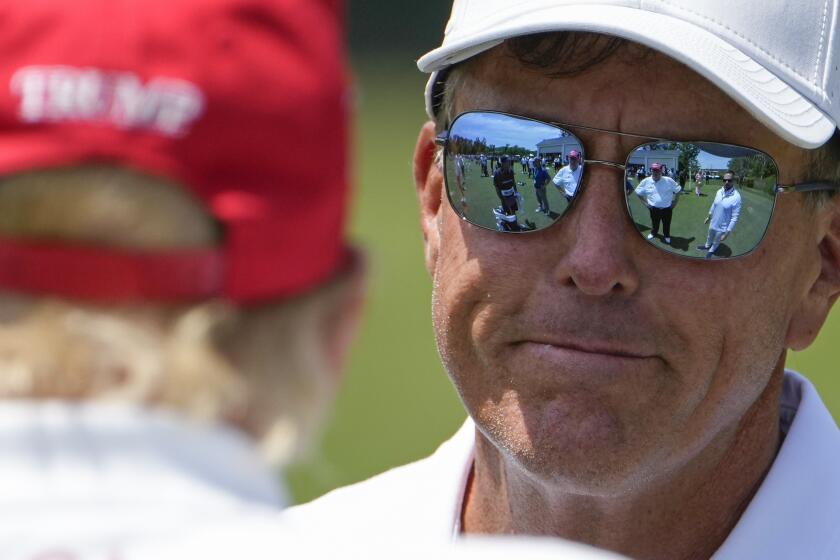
[692, 429]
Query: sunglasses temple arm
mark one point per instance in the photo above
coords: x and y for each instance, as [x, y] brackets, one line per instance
[808, 187]
[441, 138]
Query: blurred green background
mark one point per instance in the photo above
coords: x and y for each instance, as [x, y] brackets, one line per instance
[396, 404]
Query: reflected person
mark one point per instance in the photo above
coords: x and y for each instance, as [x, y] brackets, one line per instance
[568, 177]
[658, 193]
[461, 180]
[505, 184]
[540, 179]
[723, 215]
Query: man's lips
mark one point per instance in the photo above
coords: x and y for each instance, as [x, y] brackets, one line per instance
[586, 362]
[591, 364]
[598, 347]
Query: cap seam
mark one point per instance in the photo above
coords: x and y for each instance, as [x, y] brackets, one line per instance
[735, 32]
[831, 78]
[776, 110]
[504, 12]
[822, 42]
[457, 17]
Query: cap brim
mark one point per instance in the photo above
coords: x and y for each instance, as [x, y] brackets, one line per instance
[770, 100]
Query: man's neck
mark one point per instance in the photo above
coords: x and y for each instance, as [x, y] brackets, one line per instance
[687, 515]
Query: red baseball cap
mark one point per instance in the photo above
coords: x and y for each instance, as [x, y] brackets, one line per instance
[230, 98]
[574, 154]
[656, 167]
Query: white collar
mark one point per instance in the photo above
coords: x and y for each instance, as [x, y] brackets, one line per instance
[796, 511]
[52, 449]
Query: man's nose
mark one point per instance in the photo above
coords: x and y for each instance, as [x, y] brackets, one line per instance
[599, 239]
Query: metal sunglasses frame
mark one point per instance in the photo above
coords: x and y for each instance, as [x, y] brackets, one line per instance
[442, 140]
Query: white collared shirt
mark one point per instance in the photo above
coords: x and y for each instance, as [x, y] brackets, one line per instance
[723, 215]
[659, 194]
[567, 179]
[95, 481]
[794, 514]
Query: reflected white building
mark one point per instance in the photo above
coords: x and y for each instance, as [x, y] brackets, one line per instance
[669, 158]
[562, 145]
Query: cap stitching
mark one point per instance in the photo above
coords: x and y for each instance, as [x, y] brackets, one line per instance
[822, 41]
[760, 100]
[745, 38]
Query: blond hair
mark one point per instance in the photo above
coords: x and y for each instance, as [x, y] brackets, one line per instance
[257, 368]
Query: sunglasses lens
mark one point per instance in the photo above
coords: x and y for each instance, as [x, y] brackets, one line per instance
[680, 201]
[508, 173]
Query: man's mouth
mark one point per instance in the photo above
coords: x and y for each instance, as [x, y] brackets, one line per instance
[587, 359]
[590, 346]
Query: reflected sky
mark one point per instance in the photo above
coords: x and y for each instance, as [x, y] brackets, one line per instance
[501, 129]
[708, 161]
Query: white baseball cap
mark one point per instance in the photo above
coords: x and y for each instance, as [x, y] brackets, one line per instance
[777, 58]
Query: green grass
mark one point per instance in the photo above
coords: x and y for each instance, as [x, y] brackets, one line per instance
[397, 404]
[688, 229]
[482, 198]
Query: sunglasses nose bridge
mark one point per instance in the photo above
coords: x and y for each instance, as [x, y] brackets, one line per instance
[596, 254]
[600, 202]
[614, 165]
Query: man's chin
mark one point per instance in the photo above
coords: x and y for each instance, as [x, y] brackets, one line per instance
[567, 442]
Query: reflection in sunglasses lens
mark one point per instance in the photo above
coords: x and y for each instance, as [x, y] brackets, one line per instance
[509, 173]
[695, 199]
[701, 200]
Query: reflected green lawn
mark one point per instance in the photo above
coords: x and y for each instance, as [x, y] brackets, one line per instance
[688, 229]
[480, 198]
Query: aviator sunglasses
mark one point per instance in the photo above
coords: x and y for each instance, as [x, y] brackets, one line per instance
[694, 199]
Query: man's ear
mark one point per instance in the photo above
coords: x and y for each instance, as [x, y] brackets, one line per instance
[814, 309]
[428, 180]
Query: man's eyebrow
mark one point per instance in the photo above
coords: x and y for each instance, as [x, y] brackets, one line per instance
[565, 54]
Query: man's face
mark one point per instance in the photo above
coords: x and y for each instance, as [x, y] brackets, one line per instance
[584, 354]
[728, 180]
[573, 163]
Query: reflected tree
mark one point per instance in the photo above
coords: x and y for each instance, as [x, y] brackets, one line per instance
[753, 171]
[687, 161]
